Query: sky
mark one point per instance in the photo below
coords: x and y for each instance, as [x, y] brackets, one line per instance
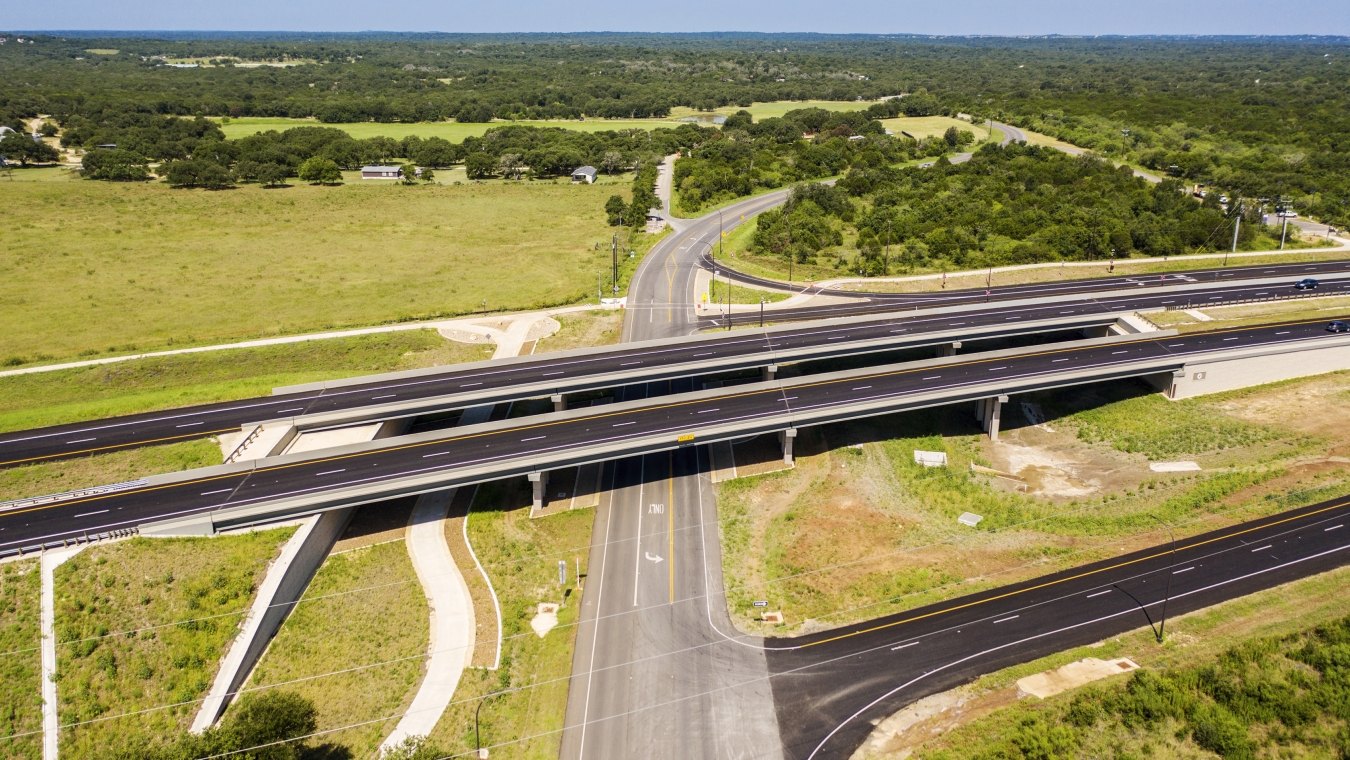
[995, 17]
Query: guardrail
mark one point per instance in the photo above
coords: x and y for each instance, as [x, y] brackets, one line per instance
[32, 501]
[1285, 297]
[250, 438]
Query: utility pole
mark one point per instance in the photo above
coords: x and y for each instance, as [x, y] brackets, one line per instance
[728, 300]
[1237, 223]
[614, 262]
[1167, 592]
[761, 311]
[886, 257]
[721, 236]
[1283, 229]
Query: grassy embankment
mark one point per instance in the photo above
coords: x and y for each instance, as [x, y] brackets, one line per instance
[741, 294]
[1330, 307]
[365, 616]
[102, 268]
[859, 530]
[521, 556]
[20, 661]
[1247, 659]
[73, 395]
[141, 626]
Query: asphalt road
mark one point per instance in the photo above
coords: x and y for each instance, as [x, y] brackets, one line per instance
[453, 450]
[1151, 292]
[830, 687]
[502, 381]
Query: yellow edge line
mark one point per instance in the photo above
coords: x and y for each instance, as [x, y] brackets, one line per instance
[196, 434]
[604, 415]
[1047, 584]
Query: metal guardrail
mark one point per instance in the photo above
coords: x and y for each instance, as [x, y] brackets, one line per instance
[33, 501]
[1212, 304]
[250, 438]
[86, 538]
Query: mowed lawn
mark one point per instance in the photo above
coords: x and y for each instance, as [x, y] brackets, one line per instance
[93, 268]
[934, 126]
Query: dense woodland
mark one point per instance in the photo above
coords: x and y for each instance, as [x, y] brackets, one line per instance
[1258, 117]
[1013, 205]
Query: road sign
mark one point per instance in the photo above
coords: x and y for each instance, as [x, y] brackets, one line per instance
[562, 572]
[761, 603]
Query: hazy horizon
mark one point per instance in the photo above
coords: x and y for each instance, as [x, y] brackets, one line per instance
[1029, 18]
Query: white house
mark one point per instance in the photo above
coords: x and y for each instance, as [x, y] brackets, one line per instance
[584, 174]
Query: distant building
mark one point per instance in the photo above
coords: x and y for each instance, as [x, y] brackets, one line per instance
[381, 172]
[584, 174]
[4, 131]
[655, 222]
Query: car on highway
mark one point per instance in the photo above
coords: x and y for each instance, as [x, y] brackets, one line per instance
[1338, 326]
[1307, 283]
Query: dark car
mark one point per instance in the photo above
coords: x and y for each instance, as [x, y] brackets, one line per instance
[1307, 283]
[1338, 326]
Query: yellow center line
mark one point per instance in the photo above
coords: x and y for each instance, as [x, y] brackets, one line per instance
[1074, 577]
[672, 405]
[194, 434]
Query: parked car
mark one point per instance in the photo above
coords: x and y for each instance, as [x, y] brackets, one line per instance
[1338, 326]
[1307, 283]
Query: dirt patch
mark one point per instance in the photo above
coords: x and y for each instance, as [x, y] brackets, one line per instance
[1309, 406]
[1054, 463]
[1073, 675]
[898, 736]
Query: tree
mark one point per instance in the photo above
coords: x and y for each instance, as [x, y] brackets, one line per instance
[114, 165]
[952, 137]
[320, 171]
[414, 748]
[613, 162]
[428, 175]
[197, 172]
[273, 175]
[409, 173]
[510, 165]
[479, 165]
[17, 146]
[615, 209]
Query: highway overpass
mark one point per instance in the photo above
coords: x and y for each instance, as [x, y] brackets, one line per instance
[233, 495]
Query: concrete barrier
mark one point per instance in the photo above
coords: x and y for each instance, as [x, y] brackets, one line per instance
[285, 583]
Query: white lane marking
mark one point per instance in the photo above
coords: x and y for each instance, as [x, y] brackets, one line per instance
[551, 374]
[934, 377]
[898, 331]
[1183, 570]
[705, 353]
[1099, 593]
[621, 424]
[1175, 345]
[1286, 332]
[637, 548]
[1334, 527]
[996, 369]
[86, 514]
[535, 438]
[437, 454]
[188, 424]
[1261, 548]
[82, 440]
[296, 409]
[329, 472]
[1007, 318]
[788, 398]
[1227, 339]
[903, 646]
[705, 411]
[388, 395]
[628, 364]
[837, 337]
[862, 387]
[1006, 619]
[1172, 301]
[1046, 634]
[1052, 361]
[1113, 353]
[468, 385]
[219, 490]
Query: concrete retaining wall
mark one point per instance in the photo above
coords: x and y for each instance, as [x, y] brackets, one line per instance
[286, 581]
[1201, 378]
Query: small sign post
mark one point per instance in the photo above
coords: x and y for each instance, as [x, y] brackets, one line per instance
[562, 572]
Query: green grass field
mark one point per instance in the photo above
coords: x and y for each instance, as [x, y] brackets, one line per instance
[449, 130]
[95, 268]
[142, 385]
[379, 642]
[934, 126]
[20, 661]
[142, 624]
[772, 109]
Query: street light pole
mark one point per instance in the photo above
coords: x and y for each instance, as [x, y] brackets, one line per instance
[761, 311]
[478, 750]
[1167, 591]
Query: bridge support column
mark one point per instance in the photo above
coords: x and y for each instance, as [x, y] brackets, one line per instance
[981, 407]
[786, 438]
[559, 402]
[539, 482]
[994, 415]
[768, 372]
[949, 349]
